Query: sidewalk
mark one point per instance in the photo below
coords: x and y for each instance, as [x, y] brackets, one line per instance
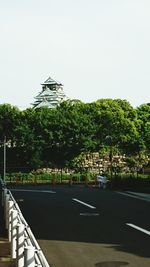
[5, 249]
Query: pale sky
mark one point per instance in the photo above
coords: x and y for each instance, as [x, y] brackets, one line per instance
[95, 48]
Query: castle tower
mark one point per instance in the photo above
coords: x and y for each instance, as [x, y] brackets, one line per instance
[51, 95]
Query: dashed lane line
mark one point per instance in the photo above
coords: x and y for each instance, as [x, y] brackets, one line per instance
[83, 203]
[34, 191]
[138, 228]
[89, 214]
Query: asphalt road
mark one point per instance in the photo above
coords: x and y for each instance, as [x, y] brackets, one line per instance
[79, 226]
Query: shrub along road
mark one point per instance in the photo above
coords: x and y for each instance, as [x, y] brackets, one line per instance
[86, 226]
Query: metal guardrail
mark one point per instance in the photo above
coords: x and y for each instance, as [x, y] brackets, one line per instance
[24, 247]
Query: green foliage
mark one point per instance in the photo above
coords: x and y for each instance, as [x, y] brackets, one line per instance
[143, 112]
[9, 120]
[58, 137]
[126, 182]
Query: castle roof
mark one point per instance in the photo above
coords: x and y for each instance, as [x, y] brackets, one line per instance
[50, 81]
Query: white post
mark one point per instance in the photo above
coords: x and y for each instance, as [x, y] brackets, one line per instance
[6, 210]
[20, 245]
[4, 192]
[14, 221]
[29, 256]
[10, 209]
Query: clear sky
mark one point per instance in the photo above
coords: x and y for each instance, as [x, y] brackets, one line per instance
[95, 48]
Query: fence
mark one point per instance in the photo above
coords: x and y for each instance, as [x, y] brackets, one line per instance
[24, 247]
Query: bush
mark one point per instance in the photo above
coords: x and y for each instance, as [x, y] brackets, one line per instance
[131, 182]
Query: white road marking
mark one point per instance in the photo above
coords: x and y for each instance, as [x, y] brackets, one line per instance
[89, 214]
[34, 191]
[134, 196]
[83, 203]
[143, 195]
[20, 200]
[138, 228]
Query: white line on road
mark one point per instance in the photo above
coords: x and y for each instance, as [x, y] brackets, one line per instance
[133, 196]
[34, 191]
[83, 203]
[89, 214]
[138, 228]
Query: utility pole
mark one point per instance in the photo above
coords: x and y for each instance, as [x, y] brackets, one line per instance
[109, 141]
[4, 167]
[110, 159]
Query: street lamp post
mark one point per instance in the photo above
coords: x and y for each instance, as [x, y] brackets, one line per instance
[109, 142]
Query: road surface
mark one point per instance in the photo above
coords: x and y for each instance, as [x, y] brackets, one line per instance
[84, 226]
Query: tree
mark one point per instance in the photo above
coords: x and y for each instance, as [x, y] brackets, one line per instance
[143, 112]
[9, 119]
[117, 119]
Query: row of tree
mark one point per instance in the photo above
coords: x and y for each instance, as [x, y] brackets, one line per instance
[55, 137]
